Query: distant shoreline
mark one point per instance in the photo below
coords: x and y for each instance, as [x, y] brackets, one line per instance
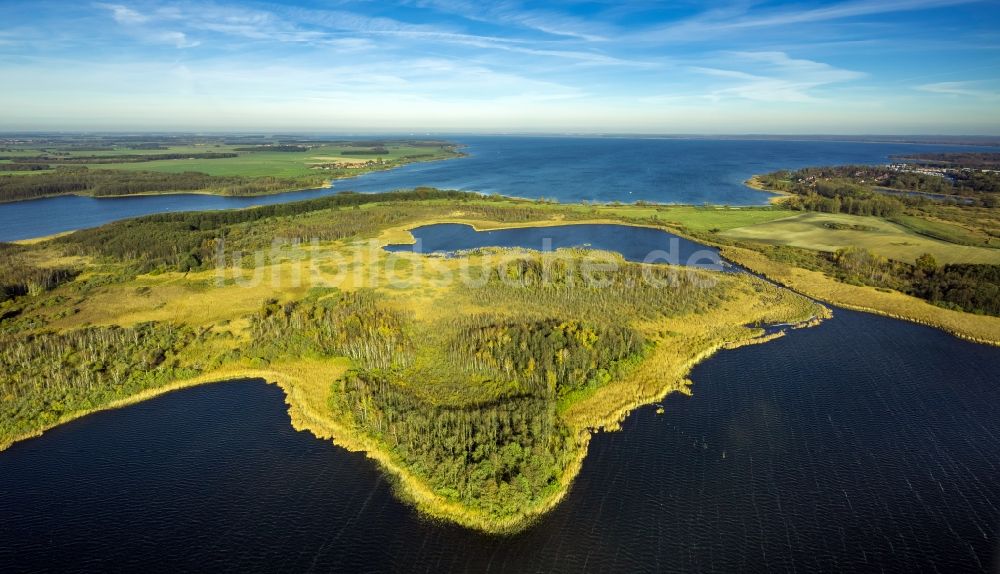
[326, 182]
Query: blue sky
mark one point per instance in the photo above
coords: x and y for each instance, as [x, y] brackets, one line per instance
[873, 66]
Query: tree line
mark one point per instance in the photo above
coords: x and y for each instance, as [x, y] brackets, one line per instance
[973, 288]
[350, 324]
[20, 276]
[856, 187]
[550, 357]
[281, 148]
[192, 240]
[122, 158]
[46, 375]
[103, 182]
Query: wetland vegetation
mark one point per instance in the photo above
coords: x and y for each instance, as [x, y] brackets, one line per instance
[474, 379]
[479, 398]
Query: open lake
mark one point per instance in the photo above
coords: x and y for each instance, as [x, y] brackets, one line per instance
[691, 171]
[863, 444]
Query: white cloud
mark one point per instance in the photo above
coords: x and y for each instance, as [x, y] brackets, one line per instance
[959, 89]
[547, 22]
[773, 77]
[124, 15]
[143, 26]
[178, 39]
[741, 17]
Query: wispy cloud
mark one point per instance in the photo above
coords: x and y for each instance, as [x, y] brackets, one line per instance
[774, 77]
[123, 14]
[140, 25]
[745, 17]
[329, 27]
[960, 89]
[451, 60]
[179, 39]
[505, 12]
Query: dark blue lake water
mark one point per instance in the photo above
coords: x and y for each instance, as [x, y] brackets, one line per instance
[645, 245]
[692, 171]
[864, 444]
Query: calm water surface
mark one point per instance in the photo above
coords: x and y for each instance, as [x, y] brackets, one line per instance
[568, 169]
[640, 244]
[863, 444]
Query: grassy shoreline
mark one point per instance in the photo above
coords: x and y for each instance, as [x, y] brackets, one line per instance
[681, 342]
[307, 383]
[982, 329]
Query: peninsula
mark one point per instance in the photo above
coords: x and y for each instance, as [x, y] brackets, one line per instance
[474, 379]
[114, 166]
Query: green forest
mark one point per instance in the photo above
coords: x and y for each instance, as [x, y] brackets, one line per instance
[122, 158]
[107, 182]
[972, 288]
[859, 189]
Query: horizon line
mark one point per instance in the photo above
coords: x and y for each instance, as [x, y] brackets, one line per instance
[496, 133]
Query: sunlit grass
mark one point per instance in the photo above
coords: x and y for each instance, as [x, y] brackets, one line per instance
[829, 232]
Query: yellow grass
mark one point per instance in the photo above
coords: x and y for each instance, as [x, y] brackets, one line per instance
[41, 239]
[979, 328]
[819, 231]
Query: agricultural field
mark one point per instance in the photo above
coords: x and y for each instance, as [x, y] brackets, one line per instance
[832, 231]
[285, 164]
[703, 218]
[948, 231]
[114, 168]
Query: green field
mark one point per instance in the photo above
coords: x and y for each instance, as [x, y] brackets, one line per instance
[829, 232]
[692, 217]
[268, 163]
[254, 169]
[945, 231]
[718, 218]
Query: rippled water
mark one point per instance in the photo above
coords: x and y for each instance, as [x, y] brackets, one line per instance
[862, 444]
[690, 171]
